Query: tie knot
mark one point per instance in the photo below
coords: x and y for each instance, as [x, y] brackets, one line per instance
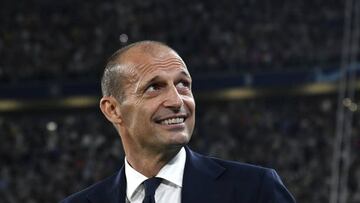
[150, 185]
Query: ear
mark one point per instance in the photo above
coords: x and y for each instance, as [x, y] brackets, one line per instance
[110, 107]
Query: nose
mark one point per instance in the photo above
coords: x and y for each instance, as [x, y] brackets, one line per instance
[173, 100]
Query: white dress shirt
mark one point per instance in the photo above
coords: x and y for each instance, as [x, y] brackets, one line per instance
[170, 188]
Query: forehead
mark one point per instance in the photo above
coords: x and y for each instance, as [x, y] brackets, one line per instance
[158, 59]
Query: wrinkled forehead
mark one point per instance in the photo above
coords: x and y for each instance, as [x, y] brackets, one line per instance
[162, 59]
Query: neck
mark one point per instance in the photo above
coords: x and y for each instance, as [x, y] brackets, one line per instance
[150, 163]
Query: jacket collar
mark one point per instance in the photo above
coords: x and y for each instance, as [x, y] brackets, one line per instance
[112, 192]
[200, 175]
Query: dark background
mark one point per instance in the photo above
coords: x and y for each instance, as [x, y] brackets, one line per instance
[265, 81]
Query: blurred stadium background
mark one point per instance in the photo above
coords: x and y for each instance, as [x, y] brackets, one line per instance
[274, 81]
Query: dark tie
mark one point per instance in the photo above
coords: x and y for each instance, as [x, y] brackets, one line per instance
[150, 186]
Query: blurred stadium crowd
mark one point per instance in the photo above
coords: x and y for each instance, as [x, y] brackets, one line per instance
[46, 155]
[71, 39]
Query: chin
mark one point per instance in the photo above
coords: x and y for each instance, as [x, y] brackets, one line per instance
[180, 140]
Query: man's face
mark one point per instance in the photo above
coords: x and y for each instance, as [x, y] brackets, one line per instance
[159, 109]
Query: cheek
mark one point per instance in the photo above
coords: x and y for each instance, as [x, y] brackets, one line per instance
[143, 114]
[190, 104]
[132, 110]
[127, 115]
[130, 114]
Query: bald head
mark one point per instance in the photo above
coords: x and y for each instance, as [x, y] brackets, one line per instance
[117, 67]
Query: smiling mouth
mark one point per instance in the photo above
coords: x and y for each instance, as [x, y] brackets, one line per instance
[172, 121]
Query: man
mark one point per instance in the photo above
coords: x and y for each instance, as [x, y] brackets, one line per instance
[147, 97]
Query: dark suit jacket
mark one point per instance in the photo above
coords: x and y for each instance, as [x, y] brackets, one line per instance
[206, 180]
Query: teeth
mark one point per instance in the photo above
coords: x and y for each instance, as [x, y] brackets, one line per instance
[171, 121]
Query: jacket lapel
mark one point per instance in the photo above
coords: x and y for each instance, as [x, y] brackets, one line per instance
[199, 181]
[113, 191]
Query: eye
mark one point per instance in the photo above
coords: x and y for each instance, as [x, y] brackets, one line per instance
[183, 84]
[152, 88]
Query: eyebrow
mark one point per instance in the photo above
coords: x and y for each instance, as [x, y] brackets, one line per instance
[144, 85]
[186, 74]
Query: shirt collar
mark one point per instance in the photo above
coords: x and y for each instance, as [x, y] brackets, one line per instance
[173, 172]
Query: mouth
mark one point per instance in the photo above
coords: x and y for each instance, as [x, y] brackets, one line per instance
[173, 120]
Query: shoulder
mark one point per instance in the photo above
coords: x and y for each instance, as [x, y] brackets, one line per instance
[265, 181]
[242, 171]
[231, 168]
[259, 183]
[99, 188]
